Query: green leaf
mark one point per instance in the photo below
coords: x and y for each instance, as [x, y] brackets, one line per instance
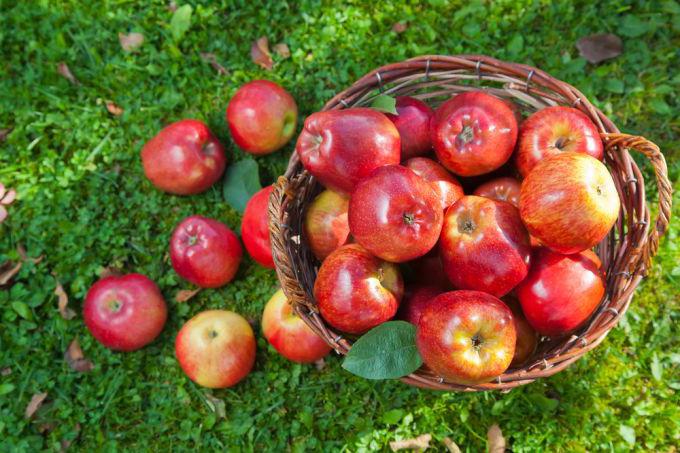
[516, 45]
[657, 368]
[241, 181]
[628, 434]
[632, 27]
[660, 106]
[385, 352]
[385, 103]
[393, 417]
[6, 388]
[542, 402]
[614, 86]
[181, 21]
[22, 309]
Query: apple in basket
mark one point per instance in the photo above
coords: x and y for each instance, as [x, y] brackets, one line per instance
[500, 189]
[445, 184]
[527, 337]
[289, 334]
[255, 228]
[326, 226]
[413, 123]
[341, 147]
[415, 300]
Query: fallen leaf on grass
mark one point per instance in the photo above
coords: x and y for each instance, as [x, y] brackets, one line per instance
[400, 27]
[113, 108]
[76, 359]
[421, 442]
[216, 405]
[259, 53]
[282, 50]
[62, 298]
[6, 371]
[210, 58]
[320, 364]
[9, 269]
[186, 294]
[46, 428]
[24, 255]
[496, 441]
[599, 47]
[63, 69]
[108, 272]
[65, 443]
[451, 446]
[35, 403]
[172, 7]
[4, 133]
[131, 41]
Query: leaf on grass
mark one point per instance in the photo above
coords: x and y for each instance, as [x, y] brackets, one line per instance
[633, 27]
[62, 298]
[599, 47]
[657, 368]
[282, 50]
[495, 439]
[4, 133]
[241, 182]
[181, 21]
[628, 434]
[25, 258]
[186, 294]
[542, 402]
[384, 103]
[76, 359]
[210, 58]
[421, 442]
[35, 403]
[259, 53]
[451, 446]
[131, 41]
[108, 272]
[113, 108]
[387, 351]
[65, 71]
[8, 270]
[400, 27]
[8, 196]
[216, 405]
[320, 364]
[172, 7]
[66, 443]
[5, 371]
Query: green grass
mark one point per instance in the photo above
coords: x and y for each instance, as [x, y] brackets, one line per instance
[85, 204]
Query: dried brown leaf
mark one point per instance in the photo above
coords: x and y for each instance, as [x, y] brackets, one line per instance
[76, 359]
[259, 53]
[6, 371]
[108, 272]
[45, 428]
[62, 297]
[496, 441]
[113, 108]
[131, 41]
[400, 27]
[35, 403]
[24, 255]
[8, 197]
[172, 7]
[9, 269]
[65, 71]
[599, 47]
[4, 133]
[186, 294]
[421, 442]
[320, 364]
[212, 59]
[282, 50]
[451, 446]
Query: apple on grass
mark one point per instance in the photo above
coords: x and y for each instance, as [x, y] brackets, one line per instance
[289, 334]
[341, 147]
[205, 252]
[484, 245]
[473, 133]
[326, 226]
[413, 123]
[255, 228]
[444, 183]
[216, 348]
[466, 337]
[395, 214]
[125, 313]
[355, 291]
[569, 202]
[501, 189]
[262, 117]
[184, 158]
[555, 130]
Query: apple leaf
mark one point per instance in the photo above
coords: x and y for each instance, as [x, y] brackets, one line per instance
[241, 182]
[385, 352]
[386, 104]
[181, 21]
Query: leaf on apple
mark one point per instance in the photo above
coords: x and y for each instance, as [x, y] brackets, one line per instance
[131, 41]
[181, 21]
[421, 443]
[76, 359]
[599, 47]
[62, 299]
[495, 439]
[259, 53]
[387, 351]
[36, 401]
[384, 103]
[241, 182]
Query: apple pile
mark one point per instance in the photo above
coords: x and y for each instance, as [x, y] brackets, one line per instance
[483, 274]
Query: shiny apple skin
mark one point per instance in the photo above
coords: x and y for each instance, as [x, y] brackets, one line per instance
[445, 184]
[501, 189]
[125, 313]
[255, 228]
[341, 147]
[395, 214]
[326, 226]
[555, 130]
[262, 117]
[289, 334]
[216, 348]
[413, 123]
[484, 245]
[357, 291]
[448, 326]
[473, 133]
[415, 301]
[184, 158]
[527, 337]
[560, 204]
[205, 252]
[560, 292]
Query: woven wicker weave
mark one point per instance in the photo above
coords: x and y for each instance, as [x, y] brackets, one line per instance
[626, 252]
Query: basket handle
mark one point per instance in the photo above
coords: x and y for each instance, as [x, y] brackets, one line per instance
[651, 151]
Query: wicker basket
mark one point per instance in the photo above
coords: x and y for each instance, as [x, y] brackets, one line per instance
[626, 252]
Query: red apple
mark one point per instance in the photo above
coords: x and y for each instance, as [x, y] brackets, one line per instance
[466, 337]
[473, 133]
[216, 348]
[428, 270]
[289, 334]
[555, 130]
[560, 292]
[125, 313]
[262, 117]
[501, 189]
[445, 184]
[527, 337]
[356, 291]
[326, 227]
[205, 252]
[255, 228]
[484, 245]
[184, 158]
[413, 123]
[569, 202]
[395, 214]
[341, 147]
[415, 301]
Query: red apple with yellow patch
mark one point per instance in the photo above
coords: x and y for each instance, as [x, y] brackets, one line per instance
[326, 226]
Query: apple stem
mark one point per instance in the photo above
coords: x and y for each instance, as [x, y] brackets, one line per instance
[466, 135]
[409, 218]
[192, 240]
[212, 334]
[561, 142]
[476, 341]
[114, 305]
